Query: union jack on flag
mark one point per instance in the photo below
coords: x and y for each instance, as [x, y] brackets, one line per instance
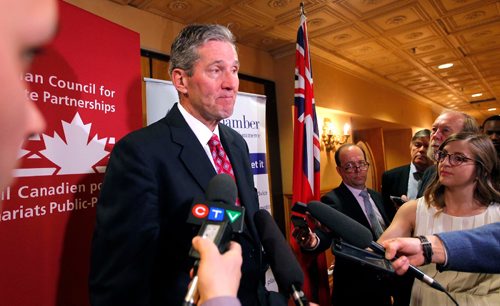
[306, 166]
[306, 183]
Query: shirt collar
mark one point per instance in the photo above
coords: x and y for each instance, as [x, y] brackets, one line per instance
[201, 131]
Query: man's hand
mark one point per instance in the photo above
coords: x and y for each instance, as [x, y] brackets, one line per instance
[218, 274]
[305, 237]
[409, 250]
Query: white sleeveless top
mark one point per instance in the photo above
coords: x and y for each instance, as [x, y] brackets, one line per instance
[466, 288]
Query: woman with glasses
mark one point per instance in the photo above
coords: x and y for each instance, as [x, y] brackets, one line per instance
[463, 195]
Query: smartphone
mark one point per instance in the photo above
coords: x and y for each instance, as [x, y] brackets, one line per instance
[397, 200]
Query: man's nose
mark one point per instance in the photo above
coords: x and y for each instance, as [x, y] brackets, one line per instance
[436, 135]
[230, 80]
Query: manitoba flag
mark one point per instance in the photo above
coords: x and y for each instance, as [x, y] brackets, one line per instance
[306, 158]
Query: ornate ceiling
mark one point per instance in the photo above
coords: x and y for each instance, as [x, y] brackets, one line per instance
[397, 42]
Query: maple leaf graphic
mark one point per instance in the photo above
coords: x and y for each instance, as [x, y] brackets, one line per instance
[76, 155]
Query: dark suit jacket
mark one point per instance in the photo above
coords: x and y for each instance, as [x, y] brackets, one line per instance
[427, 178]
[141, 240]
[395, 183]
[354, 284]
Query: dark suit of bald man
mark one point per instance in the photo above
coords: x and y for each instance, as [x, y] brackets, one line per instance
[352, 283]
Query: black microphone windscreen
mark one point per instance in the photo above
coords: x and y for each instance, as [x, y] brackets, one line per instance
[222, 188]
[285, 267]
[357, 235]
[341, 225]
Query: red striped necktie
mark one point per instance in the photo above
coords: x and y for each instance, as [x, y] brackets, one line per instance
[221, 160]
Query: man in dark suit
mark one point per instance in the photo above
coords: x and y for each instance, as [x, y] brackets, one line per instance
[403, 181]
[352, 283]
[141, 240]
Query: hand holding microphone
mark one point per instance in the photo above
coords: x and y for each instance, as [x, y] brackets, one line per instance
[411, 252]
[301, 231]
[218, 274]
[359, 236]
[219, 218]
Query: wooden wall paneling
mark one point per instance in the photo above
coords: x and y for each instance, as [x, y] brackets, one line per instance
[374, 138]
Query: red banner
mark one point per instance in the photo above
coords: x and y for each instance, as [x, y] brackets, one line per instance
[87, 85]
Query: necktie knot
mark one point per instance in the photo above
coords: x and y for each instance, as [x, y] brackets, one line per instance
[214, 141]
[417, 175]
[364, 194]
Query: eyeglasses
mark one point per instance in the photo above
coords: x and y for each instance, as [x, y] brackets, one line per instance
[455, 159]
[351, 167]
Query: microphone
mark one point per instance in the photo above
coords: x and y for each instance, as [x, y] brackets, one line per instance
[219, 218]
[286, 269]
[222, 188]
[219, 205]
[356, 234]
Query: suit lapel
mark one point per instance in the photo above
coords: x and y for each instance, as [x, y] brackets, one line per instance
[404, 180]
[355, 210]
[192, 154]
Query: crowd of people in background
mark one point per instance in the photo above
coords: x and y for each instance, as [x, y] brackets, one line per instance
[451, 184]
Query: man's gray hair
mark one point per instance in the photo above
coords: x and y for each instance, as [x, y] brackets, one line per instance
[184, 49]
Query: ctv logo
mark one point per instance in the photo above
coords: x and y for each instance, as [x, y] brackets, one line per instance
[202, 211]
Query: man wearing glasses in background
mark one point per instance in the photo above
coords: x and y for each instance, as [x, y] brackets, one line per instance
[353, 284]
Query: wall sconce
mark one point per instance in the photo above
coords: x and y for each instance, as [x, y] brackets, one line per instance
[330, 139]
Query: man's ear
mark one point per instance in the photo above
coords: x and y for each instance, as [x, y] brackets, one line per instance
[179, 79]
[338, 170]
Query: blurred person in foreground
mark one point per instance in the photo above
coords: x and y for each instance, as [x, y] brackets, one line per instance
[25, 25]
[474, 250]
[463, 195]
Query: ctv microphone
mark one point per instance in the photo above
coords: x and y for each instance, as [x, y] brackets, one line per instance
[219, 205]
[219, 218]
[356, 234]
[284, 265]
